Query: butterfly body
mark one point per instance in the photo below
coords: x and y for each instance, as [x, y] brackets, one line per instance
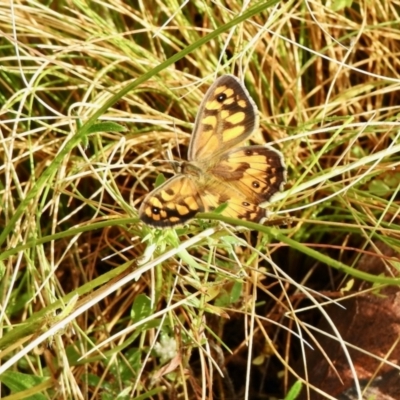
[217, 171]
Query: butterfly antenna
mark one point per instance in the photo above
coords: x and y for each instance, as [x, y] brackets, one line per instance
[174, 164]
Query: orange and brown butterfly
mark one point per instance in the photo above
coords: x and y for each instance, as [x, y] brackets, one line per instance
[217, 171]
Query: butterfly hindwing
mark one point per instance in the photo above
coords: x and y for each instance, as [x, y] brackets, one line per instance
[257, 171]
[227, 116]
[237, 203]
[173, 203]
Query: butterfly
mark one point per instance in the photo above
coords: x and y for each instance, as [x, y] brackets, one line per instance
[216, 170]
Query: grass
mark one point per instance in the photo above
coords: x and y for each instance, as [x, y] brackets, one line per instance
[95, 305]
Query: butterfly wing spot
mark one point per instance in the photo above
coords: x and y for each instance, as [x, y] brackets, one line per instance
[236, 118]
[228, 101]
[242, 104]
[210, 120]
[173, 221]
[192, 203]
[168, 194]
[156, 204]
[232, 133]
[225, 114]
[182, 210]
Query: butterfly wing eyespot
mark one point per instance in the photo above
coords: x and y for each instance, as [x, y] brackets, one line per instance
[227, 116]
[175, 202]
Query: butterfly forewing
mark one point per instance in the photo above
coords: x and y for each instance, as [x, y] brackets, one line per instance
[227, 117]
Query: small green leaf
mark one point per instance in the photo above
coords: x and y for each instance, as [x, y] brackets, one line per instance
[159, 180]
[106, 127]
[294, 391]
[220, 208]
[338, 5]
[378, 188]
[236, 291]
[141, 308]
[392, 180]
[18, 382]
[229, 295]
